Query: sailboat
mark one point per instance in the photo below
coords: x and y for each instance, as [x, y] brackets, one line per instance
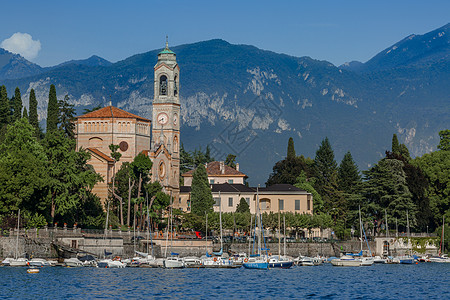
[18, 261]
[442, 258]
[258, 261]
[279, 261]
[174, 261]
[407, 258]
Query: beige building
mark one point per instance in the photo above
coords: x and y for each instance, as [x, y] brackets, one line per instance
[96, 130]
[218, 172]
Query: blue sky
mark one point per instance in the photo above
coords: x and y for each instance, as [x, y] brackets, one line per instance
[336, 31]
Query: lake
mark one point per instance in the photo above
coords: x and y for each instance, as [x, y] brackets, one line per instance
[422, 281]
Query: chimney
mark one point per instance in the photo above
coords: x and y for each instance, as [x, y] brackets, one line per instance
[222, 167]
[237, 166]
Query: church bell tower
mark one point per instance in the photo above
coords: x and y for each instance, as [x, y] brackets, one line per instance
[165, 146]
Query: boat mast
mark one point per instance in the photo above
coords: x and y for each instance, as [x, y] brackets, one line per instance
[407, 226]
[206, 236]
[220, 221]
[360, 228]
[284, 234]
[441, 247]
[171, 224]
[279, 230]
[387, 227]
[17, 236]
[259, 221]
[250, 233]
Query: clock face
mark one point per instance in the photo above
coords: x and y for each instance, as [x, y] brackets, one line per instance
[162, 118]
[175, 119]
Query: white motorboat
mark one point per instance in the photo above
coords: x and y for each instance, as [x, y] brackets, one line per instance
[110, 263]
[173, 262]
[39, 262]
[346, 261]
[73, 262]
[18, 262]
[7, 261]
[379, 260]
[366, 261]
[192, 262]
[440, 259]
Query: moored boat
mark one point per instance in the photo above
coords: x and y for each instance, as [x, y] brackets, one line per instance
[346, 261]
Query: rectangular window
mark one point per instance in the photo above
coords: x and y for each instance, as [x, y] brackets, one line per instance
[297, 204]
[281, 204]
[308, 203]
[248, 201]
[179, 200]
[216, 201]
[230, 181]
[211, 181]
[230, 202]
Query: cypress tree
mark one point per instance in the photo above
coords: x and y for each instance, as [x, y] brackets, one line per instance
[33, 116]
[4, 107]
[291, 149]
[201, 196]
[395, 144]
[25, 113]
[17, 105]
[52, 110]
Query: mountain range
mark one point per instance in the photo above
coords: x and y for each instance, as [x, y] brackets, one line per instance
[243, 100]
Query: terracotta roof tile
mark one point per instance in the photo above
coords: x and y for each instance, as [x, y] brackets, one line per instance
[101, 154]
[111, 111]
[214, 169]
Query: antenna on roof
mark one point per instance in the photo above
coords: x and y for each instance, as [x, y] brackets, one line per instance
[167, 42]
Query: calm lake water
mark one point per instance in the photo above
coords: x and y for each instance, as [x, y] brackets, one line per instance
[423, 281]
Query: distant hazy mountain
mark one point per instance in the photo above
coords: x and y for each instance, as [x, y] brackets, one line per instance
[92, 61]
[247, 101]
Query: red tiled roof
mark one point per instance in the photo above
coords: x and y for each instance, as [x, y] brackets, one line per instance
[101, 154]
[213, 169]
[110, 112]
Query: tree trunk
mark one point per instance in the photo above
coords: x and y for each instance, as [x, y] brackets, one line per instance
[130, 187]
[138, 196]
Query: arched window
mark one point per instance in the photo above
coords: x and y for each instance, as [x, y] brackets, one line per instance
[163, 85]
[175, 86]
[175, 144]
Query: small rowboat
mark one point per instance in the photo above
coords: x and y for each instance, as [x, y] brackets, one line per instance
[32, 271]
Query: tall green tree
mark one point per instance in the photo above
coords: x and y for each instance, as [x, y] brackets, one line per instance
[4, 107]
[17, 105]
[23, 176]
[25, 113]
[67, 117]
[291, 149]
[201, 197]
[348, 174]
[304, 184]
[52, 110]
[33, 116]
[395, 144]
[325, 168]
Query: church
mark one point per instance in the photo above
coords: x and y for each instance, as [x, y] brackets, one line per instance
[160, 139]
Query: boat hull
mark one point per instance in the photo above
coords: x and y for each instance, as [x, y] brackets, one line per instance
[281, 264]
[345, 263]
[256, 265]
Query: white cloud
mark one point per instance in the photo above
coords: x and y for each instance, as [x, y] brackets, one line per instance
[23, 44]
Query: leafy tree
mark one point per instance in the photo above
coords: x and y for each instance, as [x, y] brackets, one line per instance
[201, 197]
[141, 166]
[242, 207]
[67, 117]
[17, 105]
[69, 178]
[385, 187]
[231, 161]
[436, 168]
[287, 170]
[33, 117]
[116, 156]
[52, 110]
[304, 184]
[444, 143]
[23, 176]
[290, 149]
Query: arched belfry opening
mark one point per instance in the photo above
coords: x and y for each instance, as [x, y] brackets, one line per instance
[163, 85]
[175, 86]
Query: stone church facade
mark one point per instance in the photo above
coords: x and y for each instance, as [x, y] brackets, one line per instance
[160, 139]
